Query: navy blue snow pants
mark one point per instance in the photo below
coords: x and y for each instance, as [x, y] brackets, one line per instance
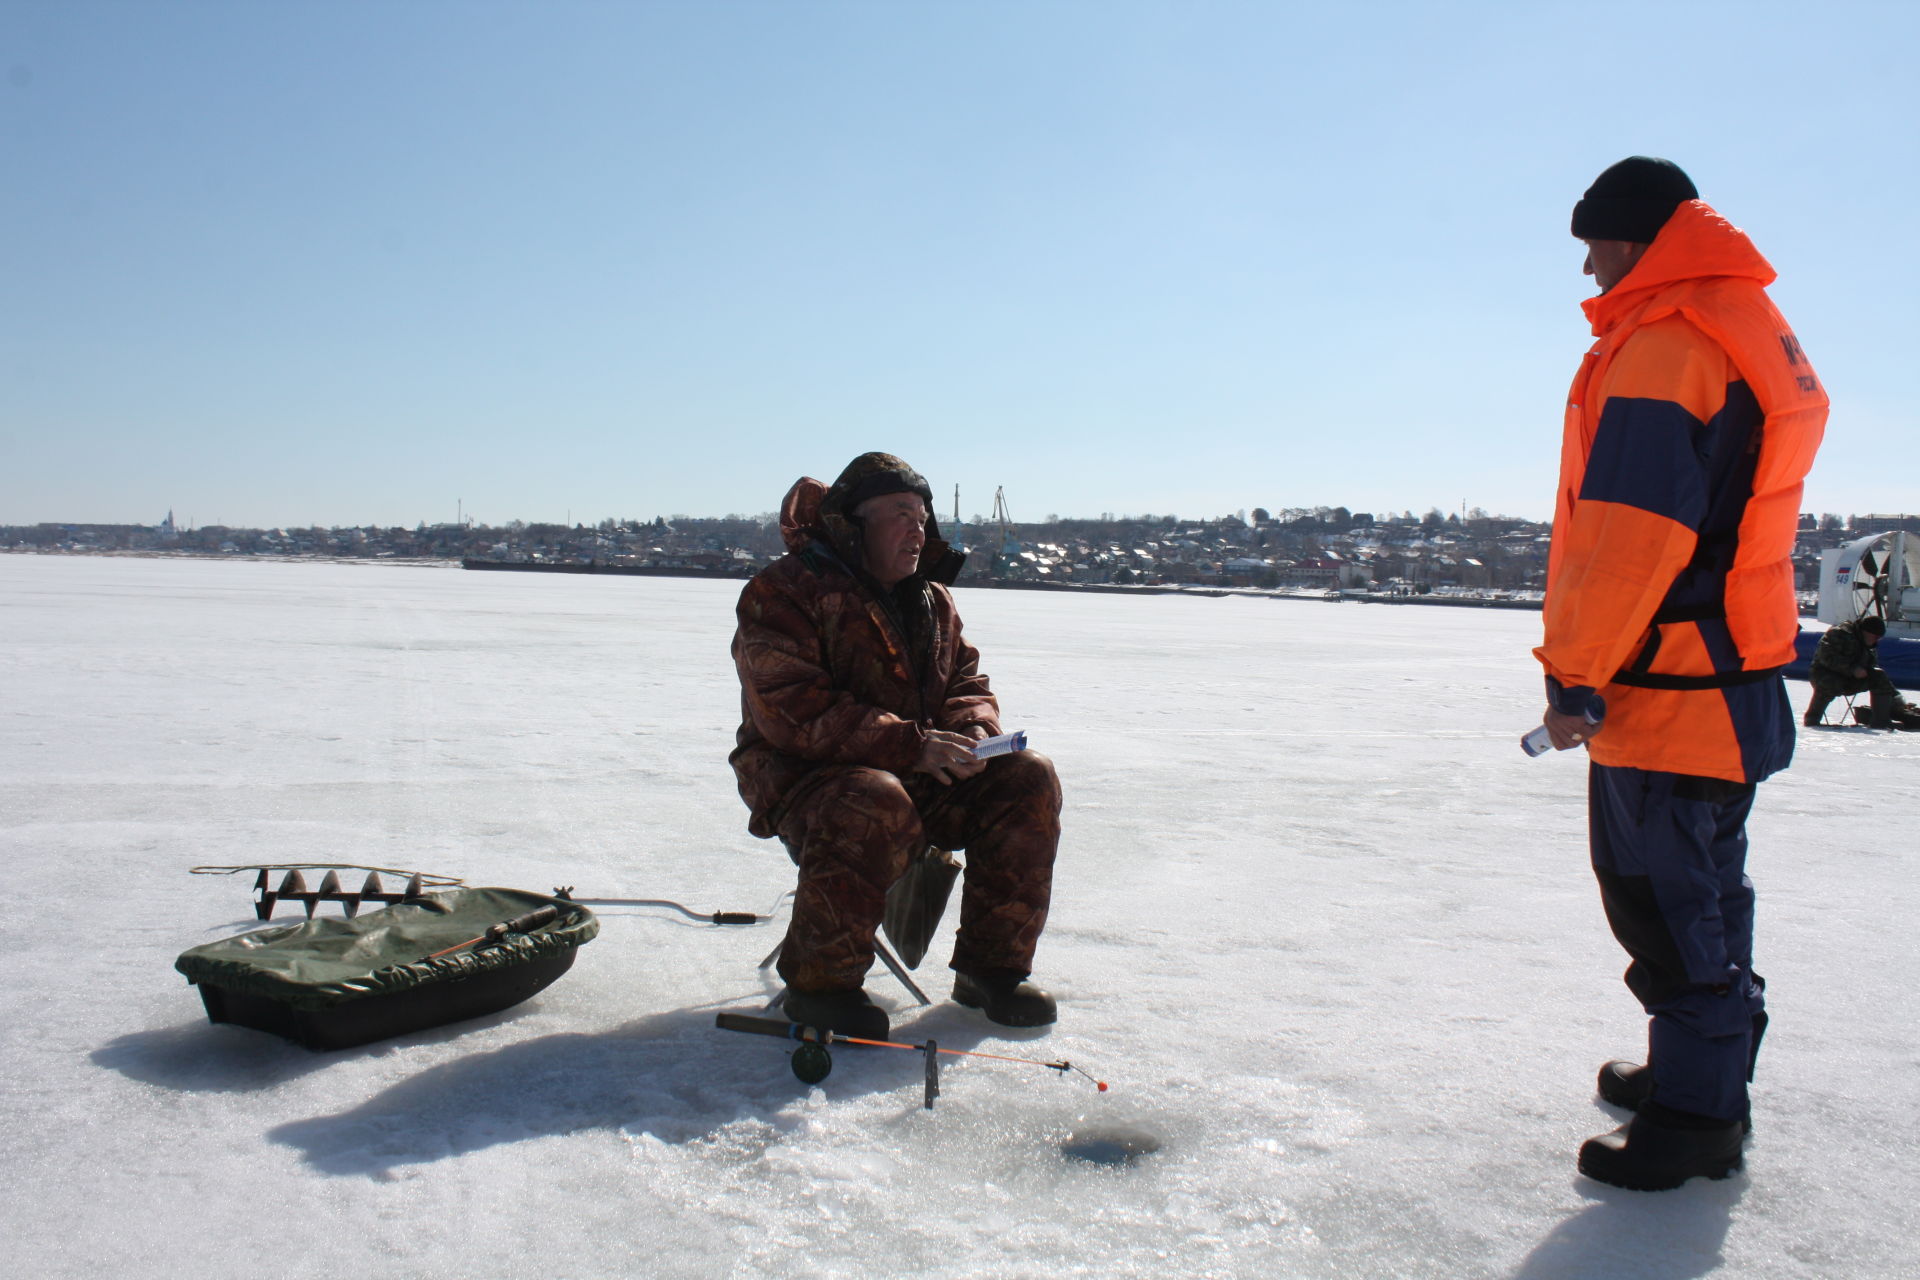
[1670, 853]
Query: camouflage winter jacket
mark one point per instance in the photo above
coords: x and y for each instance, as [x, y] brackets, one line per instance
[1841, 650]
[835, 669]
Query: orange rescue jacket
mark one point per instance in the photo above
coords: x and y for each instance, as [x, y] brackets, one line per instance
[1691, 425]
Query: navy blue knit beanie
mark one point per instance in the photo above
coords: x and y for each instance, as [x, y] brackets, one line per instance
[1632, 200]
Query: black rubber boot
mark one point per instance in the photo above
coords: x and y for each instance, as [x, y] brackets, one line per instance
[1625, 1084]
[1660, 1149]
[1629, 1084]
[1006, 998]
[1816, 710]
[851, 1013]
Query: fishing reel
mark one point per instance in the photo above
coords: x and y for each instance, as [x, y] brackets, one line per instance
[811, 1062]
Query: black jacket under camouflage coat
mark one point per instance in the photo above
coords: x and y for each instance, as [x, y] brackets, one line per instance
[835, 669]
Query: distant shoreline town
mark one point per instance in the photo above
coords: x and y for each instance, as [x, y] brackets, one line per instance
[1318, 549]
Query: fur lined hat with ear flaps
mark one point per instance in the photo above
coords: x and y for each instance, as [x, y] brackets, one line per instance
[874, 475]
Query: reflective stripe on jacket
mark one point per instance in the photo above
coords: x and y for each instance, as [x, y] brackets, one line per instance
[1691, 424]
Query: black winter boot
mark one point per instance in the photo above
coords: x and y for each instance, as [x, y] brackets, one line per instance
[1629, 1084]
[851, 1013]
[1659, 1149]
[1625, 1084]
[1816, 710]
[1005, 997]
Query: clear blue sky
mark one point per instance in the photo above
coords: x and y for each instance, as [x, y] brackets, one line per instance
[340, 263]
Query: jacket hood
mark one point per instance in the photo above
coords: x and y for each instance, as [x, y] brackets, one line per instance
[813, 512]
[800, 513]
[1695, 243]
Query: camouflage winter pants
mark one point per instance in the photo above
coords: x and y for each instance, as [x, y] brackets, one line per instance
[853, 831]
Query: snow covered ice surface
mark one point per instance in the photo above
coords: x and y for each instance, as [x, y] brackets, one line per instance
[1328, 933]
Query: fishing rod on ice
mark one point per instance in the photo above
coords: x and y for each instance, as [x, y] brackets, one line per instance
[812, 1063]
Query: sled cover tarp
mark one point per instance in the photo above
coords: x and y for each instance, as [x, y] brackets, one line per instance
[325, 963]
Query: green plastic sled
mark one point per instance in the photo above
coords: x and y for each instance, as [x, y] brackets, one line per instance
[333, 983]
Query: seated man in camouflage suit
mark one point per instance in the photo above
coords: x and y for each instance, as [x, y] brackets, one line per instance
[1845, 661]
[861, 702]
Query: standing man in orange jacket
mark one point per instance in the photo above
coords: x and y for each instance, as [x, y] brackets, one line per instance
[1670, 611]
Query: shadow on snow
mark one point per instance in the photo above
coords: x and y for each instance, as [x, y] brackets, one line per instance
[672, 1075]
[1651, 1235]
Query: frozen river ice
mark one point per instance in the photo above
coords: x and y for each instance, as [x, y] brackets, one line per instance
[1327, 932]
